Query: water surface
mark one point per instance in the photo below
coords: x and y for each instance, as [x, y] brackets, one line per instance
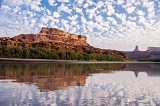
[113, 84]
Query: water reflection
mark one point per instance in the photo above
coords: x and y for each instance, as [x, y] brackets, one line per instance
[54, 76]
[150, 69]
[80, 84]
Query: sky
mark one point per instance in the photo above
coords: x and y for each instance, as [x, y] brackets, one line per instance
[109, 24]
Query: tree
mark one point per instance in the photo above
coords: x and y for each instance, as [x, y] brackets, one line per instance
[6, 52]
[68, 55]
[80, 56]
[62, 55]
[18, 52]
[1, 52]
[26, 52]
[41, 53]
[54, 55]
[74, 55]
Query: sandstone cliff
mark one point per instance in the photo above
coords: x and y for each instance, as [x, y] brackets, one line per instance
[53, 34]
[55, 39]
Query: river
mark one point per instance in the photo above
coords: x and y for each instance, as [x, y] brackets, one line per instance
[56, 84]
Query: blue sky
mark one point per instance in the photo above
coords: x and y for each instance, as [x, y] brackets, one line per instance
[109, 24]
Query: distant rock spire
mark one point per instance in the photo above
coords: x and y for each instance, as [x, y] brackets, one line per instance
[136, 48]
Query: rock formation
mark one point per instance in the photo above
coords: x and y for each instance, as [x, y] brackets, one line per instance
[56, 39]
[53, 34]
[136, 48]
[153, 49]
[150, 53]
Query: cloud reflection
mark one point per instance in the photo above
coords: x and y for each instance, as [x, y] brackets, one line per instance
[103, 85]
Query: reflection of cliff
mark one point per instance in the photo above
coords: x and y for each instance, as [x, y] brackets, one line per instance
[54, 76]
[150, 69]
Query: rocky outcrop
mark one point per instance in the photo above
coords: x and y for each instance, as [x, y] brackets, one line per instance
[150, 53]
[153, 49]
[142, 55]
[136, 48]
[55, 39]
[55, 35]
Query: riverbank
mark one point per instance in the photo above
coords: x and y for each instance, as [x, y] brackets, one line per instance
[20, 60]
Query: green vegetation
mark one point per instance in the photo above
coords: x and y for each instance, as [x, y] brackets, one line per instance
[41, 53]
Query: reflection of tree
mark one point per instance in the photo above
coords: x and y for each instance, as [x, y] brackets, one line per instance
[54, 76]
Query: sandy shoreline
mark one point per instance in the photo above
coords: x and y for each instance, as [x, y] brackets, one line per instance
[19, 60]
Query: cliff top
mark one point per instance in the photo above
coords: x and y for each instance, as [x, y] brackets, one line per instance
[54, 35]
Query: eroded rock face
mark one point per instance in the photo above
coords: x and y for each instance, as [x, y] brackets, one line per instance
[55, 39]
[53, 34]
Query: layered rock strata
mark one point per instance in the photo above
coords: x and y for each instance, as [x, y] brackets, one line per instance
[53, 34]
[56, 39]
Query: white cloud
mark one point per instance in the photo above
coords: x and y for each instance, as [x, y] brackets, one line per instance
[32, 24]
[79, 10]
[99, 19]
[110, 7]
[44, 20]
[48, 12]
[109, 13]
[64, 8]
[55, 20]
[151, 15]
[130, 9]
[90, 2]
[35, 5]
[73, 30]
[51, 2]
[85, 5]
[120, 2]
[27, 2]
[80, 2]
[56, 15]
[83, 19]
[73, 23]
[16, 10]
[111, 10]
[52, 24]
[140, 12]
[132, 18]
[5, 8]
[73, 18]
[66, 1]
[91, 12]
[99, 4]
[13, 2]
[148, 4]
[122, 17]
[65, 24]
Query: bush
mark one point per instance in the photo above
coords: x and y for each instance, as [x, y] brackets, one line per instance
[41, 53]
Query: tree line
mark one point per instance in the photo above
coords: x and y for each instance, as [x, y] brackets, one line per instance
[41, 53]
